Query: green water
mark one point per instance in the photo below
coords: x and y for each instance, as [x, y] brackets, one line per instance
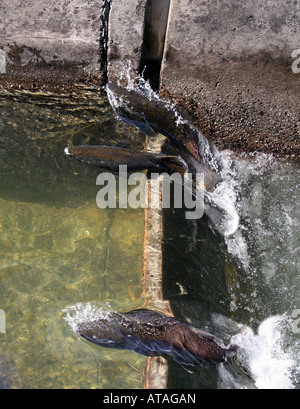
[57, 248]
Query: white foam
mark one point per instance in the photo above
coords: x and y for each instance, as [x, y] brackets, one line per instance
[263, 355]
[225, 195]
[83, 312]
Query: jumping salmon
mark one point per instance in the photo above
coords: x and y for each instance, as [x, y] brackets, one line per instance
[153, 116]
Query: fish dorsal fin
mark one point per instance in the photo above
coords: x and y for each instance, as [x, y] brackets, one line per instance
[147, 129]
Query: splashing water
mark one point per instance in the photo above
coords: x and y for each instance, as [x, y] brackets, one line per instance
[265, 246]
[260, 197]
[264, 356]
[84, 312]
[222, 197]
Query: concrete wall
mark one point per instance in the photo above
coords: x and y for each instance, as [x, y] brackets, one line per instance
[137, 30]
[40, 37]
[223, 29]
[229, 63]
[126, 33]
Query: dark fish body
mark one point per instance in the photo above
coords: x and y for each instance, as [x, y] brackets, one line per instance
[111, 157]
[156, 116]
[152, 334]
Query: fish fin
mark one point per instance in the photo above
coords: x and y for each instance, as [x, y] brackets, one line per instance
[172, 163]
[146, 128]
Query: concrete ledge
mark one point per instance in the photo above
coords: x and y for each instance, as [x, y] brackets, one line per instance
[229, 64]
[44, 42]
[247, 105]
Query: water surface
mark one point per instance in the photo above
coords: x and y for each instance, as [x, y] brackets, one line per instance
[62, 257]
[245, 287]
[57, 248]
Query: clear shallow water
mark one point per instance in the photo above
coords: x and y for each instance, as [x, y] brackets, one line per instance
[58, 250]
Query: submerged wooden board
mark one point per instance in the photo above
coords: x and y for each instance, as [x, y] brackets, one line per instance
[156, 373]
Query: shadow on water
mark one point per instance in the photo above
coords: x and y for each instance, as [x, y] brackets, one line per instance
[220, 284]
[194, 282]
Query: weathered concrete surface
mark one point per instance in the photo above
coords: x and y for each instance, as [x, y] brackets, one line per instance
[55, 42]
[229, 64]
[126, 33]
